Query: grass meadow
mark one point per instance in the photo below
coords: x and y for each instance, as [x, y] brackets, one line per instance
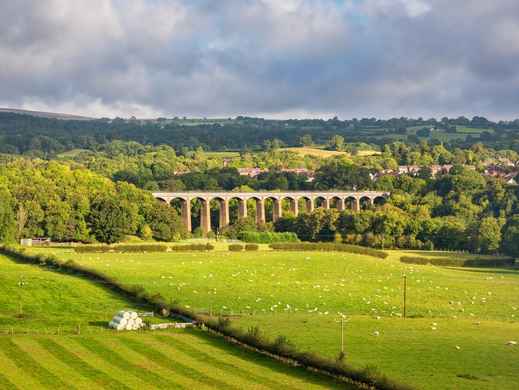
[41, 345]
[459, 320]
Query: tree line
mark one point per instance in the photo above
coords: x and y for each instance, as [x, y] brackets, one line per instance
[43, 137]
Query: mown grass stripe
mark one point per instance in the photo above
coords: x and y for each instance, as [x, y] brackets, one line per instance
[174, 365]
[78, 364]
[6, 383]
[196, 353]
[30, 366]
[116, 359]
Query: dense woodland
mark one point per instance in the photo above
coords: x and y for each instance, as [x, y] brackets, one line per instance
[86, 181]
[45, 136]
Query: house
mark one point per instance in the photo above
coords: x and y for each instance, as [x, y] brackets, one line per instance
[251, 172]
[412, 170]
[511, 178]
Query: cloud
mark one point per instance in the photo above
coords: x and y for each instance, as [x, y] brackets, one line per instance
[245, 57]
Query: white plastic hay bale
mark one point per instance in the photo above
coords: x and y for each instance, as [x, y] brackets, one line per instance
[123, 313]
[126, 320]
[118, 320]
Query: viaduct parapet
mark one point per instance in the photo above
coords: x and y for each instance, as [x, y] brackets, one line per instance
[309, 199]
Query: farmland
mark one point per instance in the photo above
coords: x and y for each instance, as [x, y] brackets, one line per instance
[53, 334]
[459, 320]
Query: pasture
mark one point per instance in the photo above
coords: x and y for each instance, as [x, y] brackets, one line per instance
[41, 345]
[458, 324]
[314, 152]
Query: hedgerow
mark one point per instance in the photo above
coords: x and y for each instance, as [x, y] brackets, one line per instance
[268, 237]
[142, 248]
[191, 247]
[329, 247]
[453, 262]
[253, 338]
[235, 247]
[251, 247]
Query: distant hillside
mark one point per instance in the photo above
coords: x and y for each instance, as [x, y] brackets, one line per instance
[43, 134]
[50, 115]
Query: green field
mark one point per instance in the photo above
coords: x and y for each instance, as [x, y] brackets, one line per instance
[41, 345]
[459, 320]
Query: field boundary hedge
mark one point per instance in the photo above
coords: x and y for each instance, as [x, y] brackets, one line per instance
[330, 247]
[142, 248]
[268, 237]
[282, 351]
[504, 262]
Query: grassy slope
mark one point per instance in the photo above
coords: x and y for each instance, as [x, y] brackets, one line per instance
[474, 310]
[36, 356]
[307, 151]
[33, 299]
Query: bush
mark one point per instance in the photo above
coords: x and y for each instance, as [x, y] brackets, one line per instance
[329, 246]
[476, 262]
[191, 247]
[235, 247]
[267, 237]
[120, 248]
[142, 248]
[251, 247]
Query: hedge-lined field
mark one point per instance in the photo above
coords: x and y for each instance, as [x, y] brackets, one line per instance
[459, 320]
[43, 309]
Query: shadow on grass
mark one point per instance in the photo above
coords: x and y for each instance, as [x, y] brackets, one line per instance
[268, 363]
[495, 271]
[99, 324]
[455, 255]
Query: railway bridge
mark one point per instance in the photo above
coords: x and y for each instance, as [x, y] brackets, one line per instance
[304, 201]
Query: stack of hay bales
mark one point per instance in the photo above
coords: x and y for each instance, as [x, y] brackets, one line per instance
[126, 320]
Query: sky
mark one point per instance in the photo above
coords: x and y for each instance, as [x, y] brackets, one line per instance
[269, 58]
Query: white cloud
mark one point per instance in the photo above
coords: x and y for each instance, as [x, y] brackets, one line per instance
[293, 58]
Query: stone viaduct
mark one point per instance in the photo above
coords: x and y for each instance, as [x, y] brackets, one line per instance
[337, 199]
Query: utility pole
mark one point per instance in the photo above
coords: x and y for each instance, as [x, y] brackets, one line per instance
[342, 335]
[405, 295]
[342, 353]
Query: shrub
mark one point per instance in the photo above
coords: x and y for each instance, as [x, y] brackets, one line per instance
[120, 248]
[267, 237]
[251, 247]
[235, 247]
[192, 247]
[329, 246]
[452, 262]
[142, 248]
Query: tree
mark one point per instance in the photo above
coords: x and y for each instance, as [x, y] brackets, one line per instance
[306, 140]
[337, 142]
[109, 219]
[165, 223]
[7, 219]
[510, 244]
[486, 235]
[338, 174]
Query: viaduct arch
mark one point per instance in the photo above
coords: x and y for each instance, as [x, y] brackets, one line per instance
[338, 199]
